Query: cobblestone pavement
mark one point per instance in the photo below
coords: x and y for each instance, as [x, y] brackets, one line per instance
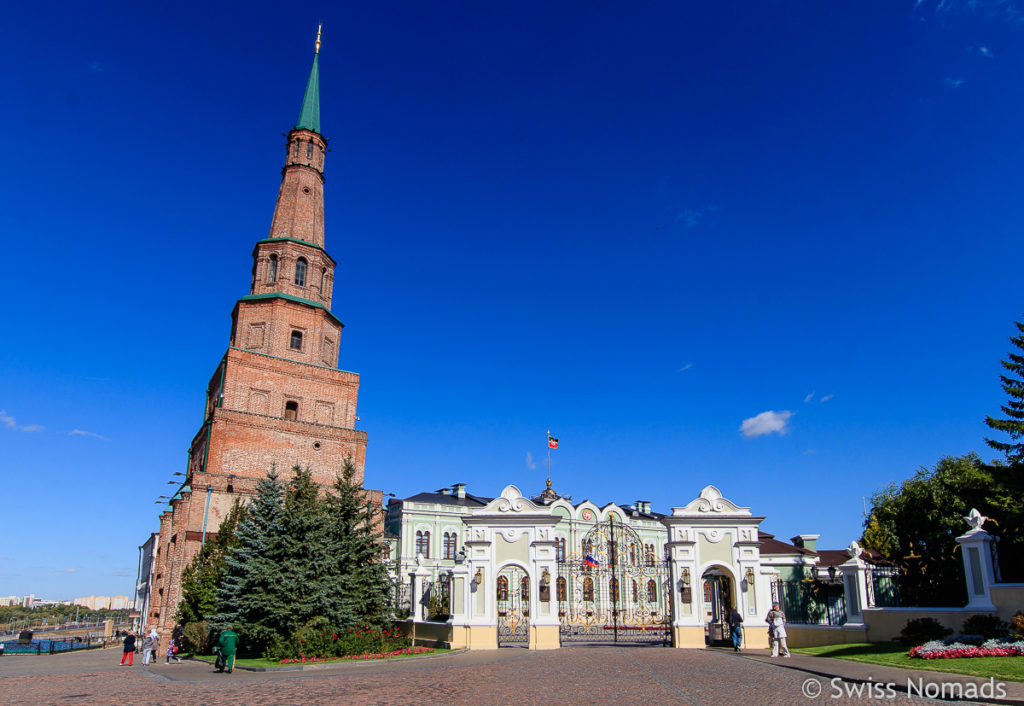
[620, 675]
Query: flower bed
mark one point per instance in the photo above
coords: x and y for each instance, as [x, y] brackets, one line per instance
[940, 649]
[370, 655]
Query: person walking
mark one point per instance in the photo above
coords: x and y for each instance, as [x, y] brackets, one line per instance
[129, 648]
[735, 629]
[172, 651]
[228, 644]
[147, 649]
[776, 620]
[155, 637]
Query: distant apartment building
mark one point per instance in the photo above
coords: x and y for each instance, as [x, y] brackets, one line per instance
[9, 601]
[105, 602]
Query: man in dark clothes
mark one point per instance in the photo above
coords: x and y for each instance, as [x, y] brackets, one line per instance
[735, 623]
[228, 646]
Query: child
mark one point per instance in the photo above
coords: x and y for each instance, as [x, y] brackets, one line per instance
[172, 651]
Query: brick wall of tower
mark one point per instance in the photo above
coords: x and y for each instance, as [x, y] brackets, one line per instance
[266, 326]
[299, 212]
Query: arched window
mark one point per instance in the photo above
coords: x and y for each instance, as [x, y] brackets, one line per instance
[502, 588]
[309, 149]
[272, 269]
[300, 271]
[634, 591]
[323, 281]
[560, 589]
[652, 591]
[524, 589]
[613, 553]
[649, 551]
[296, 340]
[588, 589]
[423, 543]
[450, 540]
[632, 554]
[560, 549]
[613, 589]
[588, 548]
[291, 410]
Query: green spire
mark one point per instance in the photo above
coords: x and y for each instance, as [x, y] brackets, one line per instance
[309, 118]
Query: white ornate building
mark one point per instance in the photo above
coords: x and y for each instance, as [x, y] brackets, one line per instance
[485, 572]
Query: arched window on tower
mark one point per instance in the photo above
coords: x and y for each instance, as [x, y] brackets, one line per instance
[309, 149]
[300, 271]
[296, 340]
[291, 410]
[272, 269]
[323, 281]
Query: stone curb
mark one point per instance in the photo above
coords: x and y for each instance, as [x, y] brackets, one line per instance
[858, 680]
[330, 665]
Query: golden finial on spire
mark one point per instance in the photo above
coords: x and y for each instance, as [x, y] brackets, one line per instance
[318, 28]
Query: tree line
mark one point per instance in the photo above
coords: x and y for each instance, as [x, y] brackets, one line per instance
[915, 523]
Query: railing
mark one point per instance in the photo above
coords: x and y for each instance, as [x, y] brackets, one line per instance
[811, 602]
[52, 647]
[884, 586]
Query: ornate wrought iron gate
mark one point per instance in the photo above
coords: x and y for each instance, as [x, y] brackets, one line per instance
[615, 589]
[512, 597]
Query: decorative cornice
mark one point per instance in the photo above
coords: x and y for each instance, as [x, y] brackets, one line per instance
[291, 298]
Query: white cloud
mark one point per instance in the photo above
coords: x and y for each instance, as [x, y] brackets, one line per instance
[826, 398]
[9, 422]
[67, 571]
[82, 432]
[530, 463]
[689, 217]
[770, 422]
[986, 52]
[954, 82]
[685, 367]
[809, 397]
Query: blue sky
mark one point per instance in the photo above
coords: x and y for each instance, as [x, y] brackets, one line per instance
[766, 245]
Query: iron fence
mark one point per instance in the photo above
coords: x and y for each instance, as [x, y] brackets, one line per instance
[811, 602]
[884, 586]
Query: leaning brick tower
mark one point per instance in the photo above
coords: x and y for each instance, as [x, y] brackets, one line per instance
[277, 397]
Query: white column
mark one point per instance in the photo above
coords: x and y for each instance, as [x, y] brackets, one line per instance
[419, 577]
[976, 548]
[855, 586]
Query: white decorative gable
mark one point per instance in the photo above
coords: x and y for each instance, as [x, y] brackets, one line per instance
[511, 501]
[710, 503]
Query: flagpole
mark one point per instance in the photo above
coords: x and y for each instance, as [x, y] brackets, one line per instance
[549, 458]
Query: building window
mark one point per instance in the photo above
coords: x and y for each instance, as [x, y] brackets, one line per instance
[560, 592]
[300, 271]
[524, 590]
[295, 150]
[560, 549]
[634, 591]
[588, 548]
[613, 553]
[291, 410]
[272, 269]
[652, 592]
[450, 540]
[323, 281]
[502, 591]
[613, 589]
[588, 589]
[296, 342]
[309, 149]
[423, 543]
[649, 554]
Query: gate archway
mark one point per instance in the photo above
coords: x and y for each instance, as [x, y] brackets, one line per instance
[614, 589]
[717, 598]
[512, 598]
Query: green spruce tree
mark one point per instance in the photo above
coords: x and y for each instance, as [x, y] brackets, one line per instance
[1013, 386]
[1008, 490]
[363, 593]
[254, 595]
